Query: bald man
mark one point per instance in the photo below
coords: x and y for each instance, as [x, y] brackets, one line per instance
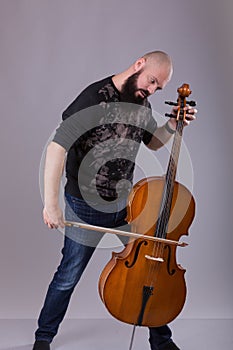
[100, 134]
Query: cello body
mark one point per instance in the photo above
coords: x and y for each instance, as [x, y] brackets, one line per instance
[143, 285]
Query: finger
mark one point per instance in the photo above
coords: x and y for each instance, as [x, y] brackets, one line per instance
[186, 122]
[62, 224]
[47, 222]
[54, 225]
[190, 117]
[174, 110]
[51, 224]
[190, 110]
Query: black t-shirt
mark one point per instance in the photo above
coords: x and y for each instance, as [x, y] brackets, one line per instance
[102, 136]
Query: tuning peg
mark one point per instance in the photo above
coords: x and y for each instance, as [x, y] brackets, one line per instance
[171, 103]
[169, 115]
[191, 103]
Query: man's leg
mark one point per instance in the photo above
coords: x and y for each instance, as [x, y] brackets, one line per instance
[160, 338]
[74, 261]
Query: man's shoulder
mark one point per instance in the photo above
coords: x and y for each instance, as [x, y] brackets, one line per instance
[102, 90]
[93, 94]
[98, 84]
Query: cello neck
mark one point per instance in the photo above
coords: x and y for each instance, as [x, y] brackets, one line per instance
[162, 224]
[174, 157]
[161, 227]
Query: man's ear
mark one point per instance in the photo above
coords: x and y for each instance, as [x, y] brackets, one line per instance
[139, 64]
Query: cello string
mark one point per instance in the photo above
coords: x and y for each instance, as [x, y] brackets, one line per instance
[157, 247]
[170, 184]
[153, 267]
[157, 250]
[171, 177]
[162, 223]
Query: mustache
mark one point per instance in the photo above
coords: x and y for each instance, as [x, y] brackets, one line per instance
[145, 92]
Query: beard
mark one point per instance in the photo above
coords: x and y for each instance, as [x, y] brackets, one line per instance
[129, 89]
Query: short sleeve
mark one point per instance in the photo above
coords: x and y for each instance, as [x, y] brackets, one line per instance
[75, 119]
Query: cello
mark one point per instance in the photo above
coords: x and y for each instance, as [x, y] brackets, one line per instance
[143, 285]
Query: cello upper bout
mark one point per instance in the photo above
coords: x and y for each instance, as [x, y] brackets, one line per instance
[145, 204]
[142, 197]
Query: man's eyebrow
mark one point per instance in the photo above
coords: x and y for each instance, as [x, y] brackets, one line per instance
[157, 82]
[156, 79]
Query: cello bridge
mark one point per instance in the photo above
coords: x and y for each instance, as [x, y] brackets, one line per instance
[153, 258]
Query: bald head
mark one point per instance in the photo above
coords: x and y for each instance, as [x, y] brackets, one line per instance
[158, 58]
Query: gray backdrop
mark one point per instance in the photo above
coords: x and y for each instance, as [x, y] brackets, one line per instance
[51, 50]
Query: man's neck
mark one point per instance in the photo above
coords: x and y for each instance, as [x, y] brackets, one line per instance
[120, 78]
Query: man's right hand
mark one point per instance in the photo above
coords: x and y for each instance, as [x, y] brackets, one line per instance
[53, 218]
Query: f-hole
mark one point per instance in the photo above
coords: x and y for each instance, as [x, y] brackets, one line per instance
[127, 264]
[170, 272]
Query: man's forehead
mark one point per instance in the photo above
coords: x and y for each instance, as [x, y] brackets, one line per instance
[158, 74]
[158, 68]
[161, 74]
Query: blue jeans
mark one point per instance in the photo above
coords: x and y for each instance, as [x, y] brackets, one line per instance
[79, 245]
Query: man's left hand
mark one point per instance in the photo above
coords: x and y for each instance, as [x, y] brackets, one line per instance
[190, 115]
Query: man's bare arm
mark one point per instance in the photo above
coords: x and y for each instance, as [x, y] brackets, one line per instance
[160, 137]
[54, 165]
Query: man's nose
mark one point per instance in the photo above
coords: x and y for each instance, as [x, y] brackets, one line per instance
[151, 89]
